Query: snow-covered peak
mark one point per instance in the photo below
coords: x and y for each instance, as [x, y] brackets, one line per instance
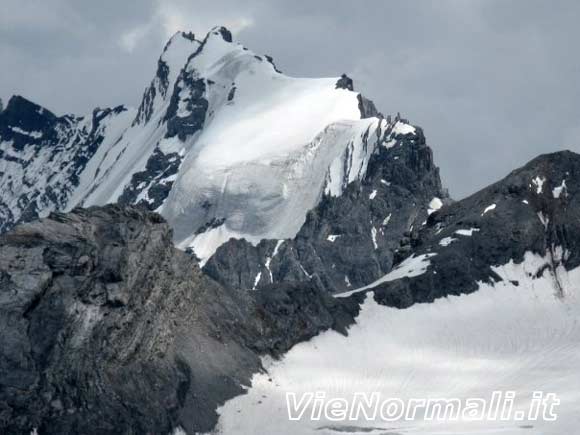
[265, 138]
[172, 60]
[225, 145]
[177, 51]
[218, 50]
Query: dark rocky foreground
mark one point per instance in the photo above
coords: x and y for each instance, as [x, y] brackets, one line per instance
[107, 328]
[534, 209]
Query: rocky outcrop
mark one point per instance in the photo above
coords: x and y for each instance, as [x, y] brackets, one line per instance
[107, 328]
[534, 210]
[345, 82]
[350, 240]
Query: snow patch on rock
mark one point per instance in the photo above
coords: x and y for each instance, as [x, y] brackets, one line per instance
[558, 190]
[412, 266]
[539, 183]
[467, 232]
[446, 241]
[434, 205]
[489, 208]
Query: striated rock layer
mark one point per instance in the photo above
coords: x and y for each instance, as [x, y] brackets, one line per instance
[107, 328]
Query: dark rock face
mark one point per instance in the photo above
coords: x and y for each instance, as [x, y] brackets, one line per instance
[347, 241]
[188, 106]
[23, 120]
[107, 328]
[367, 108]
[302, 311]
[195, 107]
[159, 85]
[534, 209]
[224, 33]
[156, 180]
[271, 60]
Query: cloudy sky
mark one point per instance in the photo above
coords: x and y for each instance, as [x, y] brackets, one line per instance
[492, 82]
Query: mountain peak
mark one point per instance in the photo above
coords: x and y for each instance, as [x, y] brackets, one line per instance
[219, 129]
[190, 36]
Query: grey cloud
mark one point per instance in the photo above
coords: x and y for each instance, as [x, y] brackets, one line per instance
[493, 83]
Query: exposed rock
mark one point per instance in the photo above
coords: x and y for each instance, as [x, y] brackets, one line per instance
[107, 328]
[225, 33]
[150, 187]
[367, 108]
[194, 111]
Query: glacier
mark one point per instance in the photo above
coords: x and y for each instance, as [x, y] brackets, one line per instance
[503, 337]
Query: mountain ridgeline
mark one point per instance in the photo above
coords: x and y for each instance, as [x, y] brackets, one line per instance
[528, 218]
[227, 148]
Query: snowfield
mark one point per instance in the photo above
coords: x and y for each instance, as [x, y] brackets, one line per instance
[503, 337]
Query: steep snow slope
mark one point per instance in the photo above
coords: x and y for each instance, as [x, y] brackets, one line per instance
[503, 337]
[261, 161]
[266, 195]
[237, 129]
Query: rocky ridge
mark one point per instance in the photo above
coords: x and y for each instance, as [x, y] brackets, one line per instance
[533, 210]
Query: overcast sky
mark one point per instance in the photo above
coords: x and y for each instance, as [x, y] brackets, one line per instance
[492, 82]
